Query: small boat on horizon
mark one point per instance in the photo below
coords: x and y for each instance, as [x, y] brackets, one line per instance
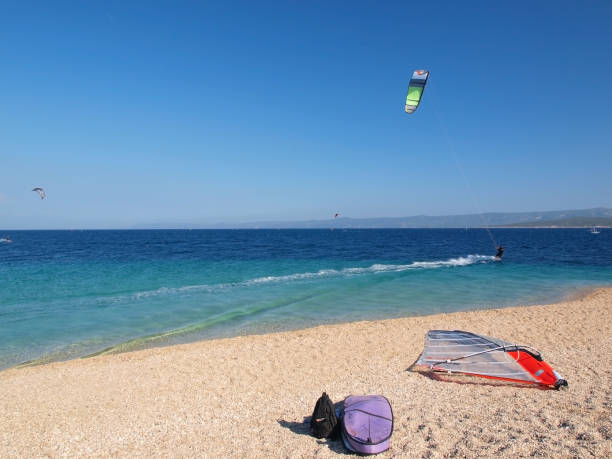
[594, 230]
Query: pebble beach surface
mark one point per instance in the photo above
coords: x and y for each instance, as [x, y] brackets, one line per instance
[251, 396]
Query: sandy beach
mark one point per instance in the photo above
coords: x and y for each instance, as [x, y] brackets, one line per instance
[250, 396]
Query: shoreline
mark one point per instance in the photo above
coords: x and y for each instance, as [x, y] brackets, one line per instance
[140, 343]
[250, 395]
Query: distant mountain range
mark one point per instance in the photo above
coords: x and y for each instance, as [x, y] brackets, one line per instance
[573, 222]
[600, 216]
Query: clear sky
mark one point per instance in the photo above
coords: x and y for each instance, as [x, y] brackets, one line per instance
[133, 113]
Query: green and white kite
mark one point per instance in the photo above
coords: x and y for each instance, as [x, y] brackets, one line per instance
[415, 89]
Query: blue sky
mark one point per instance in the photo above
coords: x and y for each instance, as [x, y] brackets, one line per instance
[133, 113]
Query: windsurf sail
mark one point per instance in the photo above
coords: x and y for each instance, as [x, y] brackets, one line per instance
[456, 351]
[415, 89]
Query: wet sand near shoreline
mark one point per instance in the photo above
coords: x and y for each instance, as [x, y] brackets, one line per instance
[250, 396]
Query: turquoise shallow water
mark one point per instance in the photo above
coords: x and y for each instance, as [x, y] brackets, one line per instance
[67, 294]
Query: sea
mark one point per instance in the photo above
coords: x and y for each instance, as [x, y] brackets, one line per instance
[73, 294]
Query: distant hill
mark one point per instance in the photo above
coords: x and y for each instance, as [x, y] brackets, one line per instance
[575, 222]
[585, 217]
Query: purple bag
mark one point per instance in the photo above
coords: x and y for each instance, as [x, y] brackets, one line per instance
[367, 423]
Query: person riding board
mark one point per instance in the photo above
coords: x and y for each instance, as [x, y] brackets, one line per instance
[500, 252]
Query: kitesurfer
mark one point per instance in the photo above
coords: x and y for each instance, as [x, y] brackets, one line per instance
[500, 252]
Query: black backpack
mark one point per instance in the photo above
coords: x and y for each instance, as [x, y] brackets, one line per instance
[324, 421]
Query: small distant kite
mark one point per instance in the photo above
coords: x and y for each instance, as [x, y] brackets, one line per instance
[336, 215]
[40, 192]
[415, 89]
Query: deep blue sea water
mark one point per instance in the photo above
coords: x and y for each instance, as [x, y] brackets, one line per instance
[67, 294]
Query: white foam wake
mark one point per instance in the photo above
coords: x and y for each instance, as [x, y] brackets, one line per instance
[375, 268]
[345, 272]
